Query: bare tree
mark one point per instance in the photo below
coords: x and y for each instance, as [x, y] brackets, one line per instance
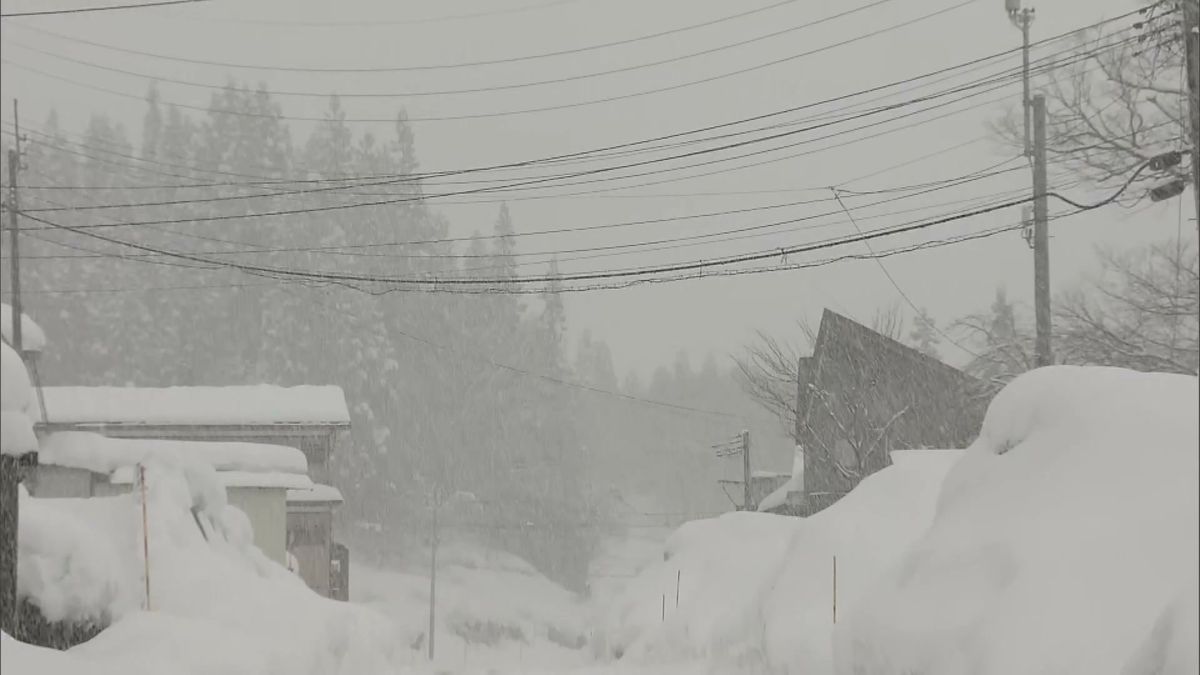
[769, 368]
[1115, 101]
[1142, 312]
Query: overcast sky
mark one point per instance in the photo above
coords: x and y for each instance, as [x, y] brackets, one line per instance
[645, 326]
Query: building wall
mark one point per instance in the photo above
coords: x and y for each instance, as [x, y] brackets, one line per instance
[310, 538]
[57, 482]
[267, 510]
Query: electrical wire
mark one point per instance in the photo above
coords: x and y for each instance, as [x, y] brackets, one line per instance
[534, 110]
[474, 90]
[969, 65]
[105, 8]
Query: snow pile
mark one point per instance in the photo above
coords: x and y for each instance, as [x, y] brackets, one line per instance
[756, 590]
[18, 405]
[493, 609]
[217, 604]
[99, 454]
[32, 337]
[1061, 544]
[247, 404]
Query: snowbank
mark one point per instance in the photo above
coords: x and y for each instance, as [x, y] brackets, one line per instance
[493, 609]
[250, 404]
[18, 405]
[1059, 539]
[103, 455]
[32, 337]
[756, 590]
[217, 604]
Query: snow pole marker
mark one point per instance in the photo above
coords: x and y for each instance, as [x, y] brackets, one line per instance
[678, 577]
[835, 589]
[145, 532]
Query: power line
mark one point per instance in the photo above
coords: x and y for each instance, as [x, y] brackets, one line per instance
[883, 268]
[970, 65]
[534, 110]
[473, 90]
[106, 8]
[722, 236]
[506, 283]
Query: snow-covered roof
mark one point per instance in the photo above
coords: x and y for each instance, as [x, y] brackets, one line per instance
[100, 454]
[317, 494]
[33, 339]
[235, 405]
[234, 479]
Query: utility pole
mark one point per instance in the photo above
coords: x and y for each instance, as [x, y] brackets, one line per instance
[1022, 18]
[1191, 36]
[1041, 236]
[14, 208]
[748, 500]
[433, 577]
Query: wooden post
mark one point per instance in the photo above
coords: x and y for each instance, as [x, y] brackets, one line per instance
[145, 532]
[835, 589]
[748, 500]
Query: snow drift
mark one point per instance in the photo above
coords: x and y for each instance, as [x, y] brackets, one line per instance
[216, 603]
[756, 590]
[1061, 541]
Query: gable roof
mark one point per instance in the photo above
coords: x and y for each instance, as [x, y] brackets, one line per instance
[245, 405]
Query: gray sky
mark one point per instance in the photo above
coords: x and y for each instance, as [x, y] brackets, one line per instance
[645, 326]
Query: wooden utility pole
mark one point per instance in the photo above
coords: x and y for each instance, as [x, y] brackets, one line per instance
[1041, 236]
[10, 465]
[433, 578]
[748, 501]
[14, 210]
[1191, 36]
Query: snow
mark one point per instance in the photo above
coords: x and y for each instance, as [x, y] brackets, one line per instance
[19, 658]
[32, 337]
[317, 494]
[16, 433]
[755, 590]
[795, 483]
[218, 605]
[1171, 647]
[1065, 541]
[100, 454]
[493, 609]
[18, 405]
[249, 404]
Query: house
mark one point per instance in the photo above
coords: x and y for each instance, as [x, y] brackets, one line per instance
[256, 477]
[307, 418]
[861, 395]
